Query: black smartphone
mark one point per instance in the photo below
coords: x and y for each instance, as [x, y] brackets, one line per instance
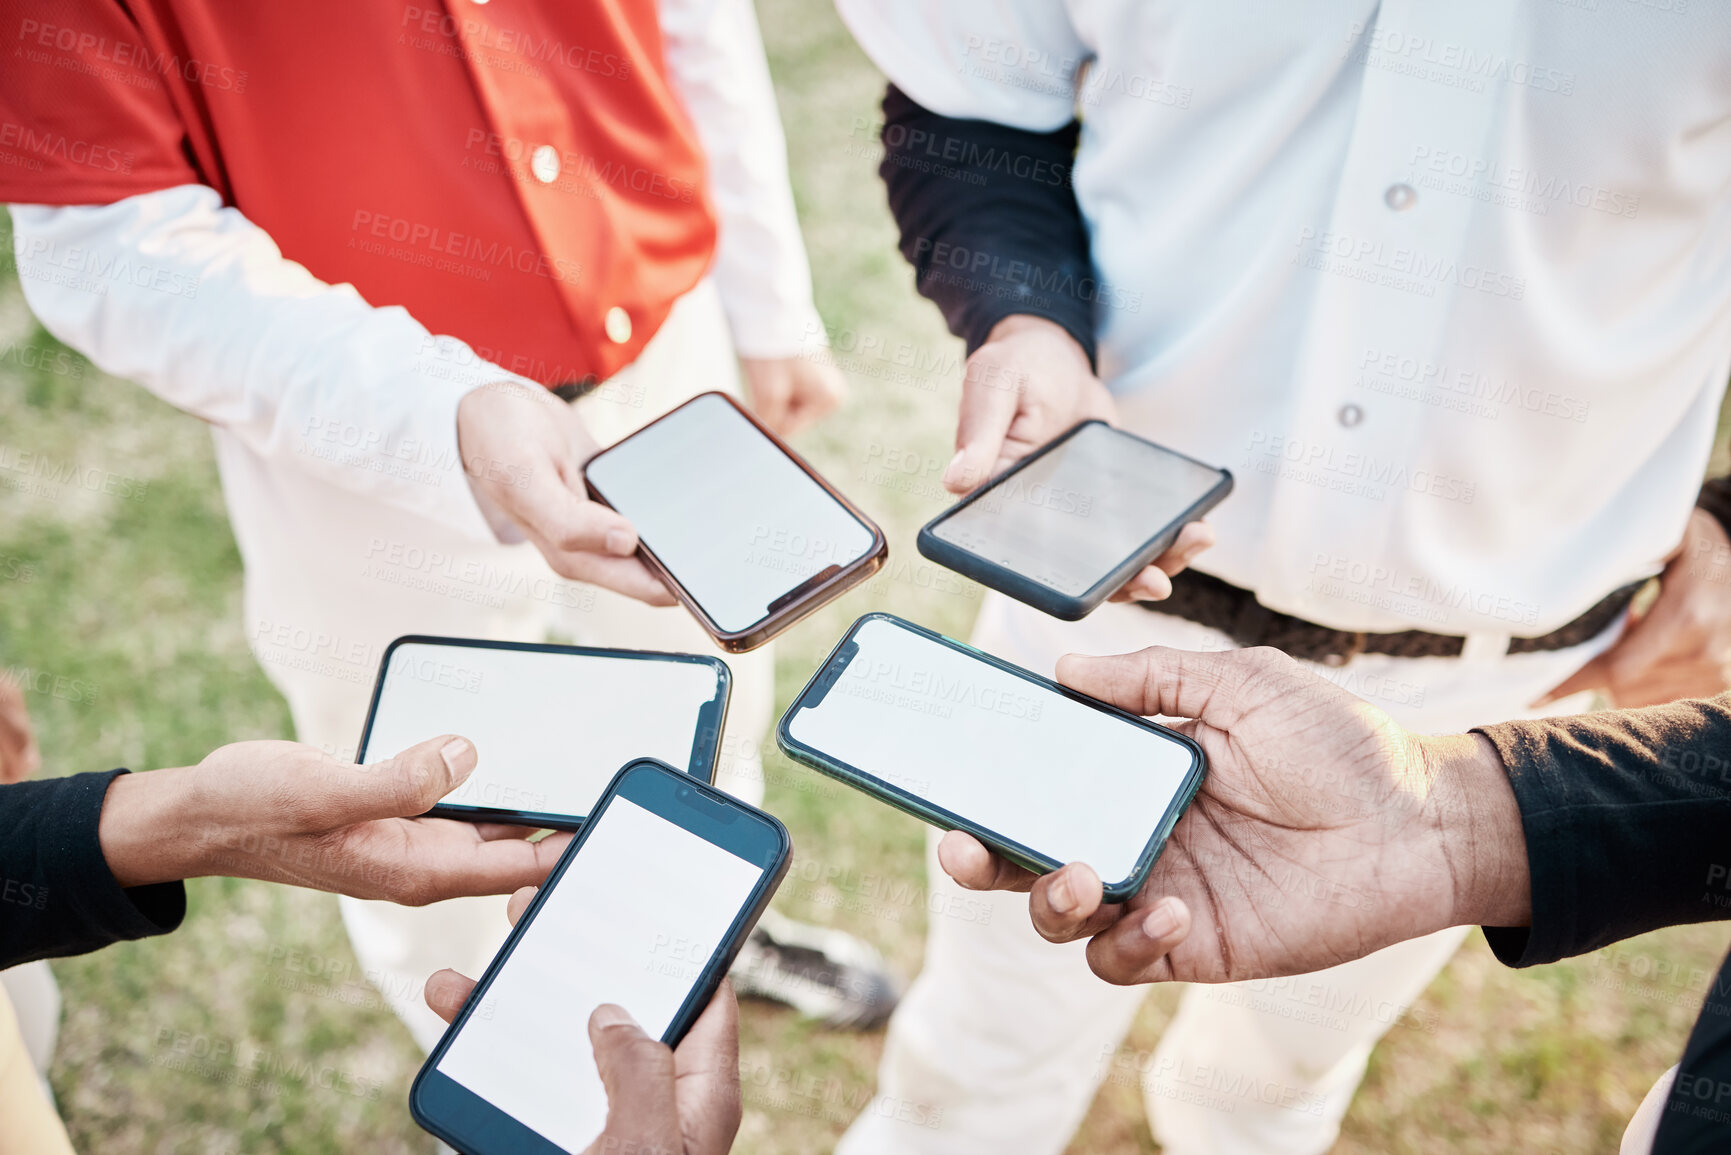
[551, 724]
[646, 909]
[1069, 524]
[744, 532]
[966, 741]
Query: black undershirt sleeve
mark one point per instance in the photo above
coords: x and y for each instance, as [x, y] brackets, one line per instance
[1627, 819]
[57, 895]
[1627, 816]
[989, 220]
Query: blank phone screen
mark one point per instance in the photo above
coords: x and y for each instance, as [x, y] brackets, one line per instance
[735, 520]
[632, 921]
[1076, 512]
[1011, 756]
[550, 729]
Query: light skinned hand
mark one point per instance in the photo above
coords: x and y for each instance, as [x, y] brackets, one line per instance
[1323, 831]
[19, 755]
[659, 1099]
[284, 812]
[791, 394]
[1028, 383]
[524, 449]
[1681, 647]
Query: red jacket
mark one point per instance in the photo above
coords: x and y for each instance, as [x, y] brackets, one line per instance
[517, 174]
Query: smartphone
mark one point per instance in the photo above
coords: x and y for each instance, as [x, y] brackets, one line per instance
[551, 724]
[1068, 525]
[966, 741]
[647, 909]
[744, 532]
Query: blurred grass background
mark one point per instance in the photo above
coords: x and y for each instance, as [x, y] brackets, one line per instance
[252, 1028]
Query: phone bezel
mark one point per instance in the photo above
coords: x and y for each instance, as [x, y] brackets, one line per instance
[449, 1110]
[802, 600]
[705, 745]
[902, 799]
[1067, 607]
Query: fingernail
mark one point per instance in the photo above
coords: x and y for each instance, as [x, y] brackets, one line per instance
[953, 471]
[621, 542]
[1059, 896]
[1161, 923]
[454, 753]
[608, 1015]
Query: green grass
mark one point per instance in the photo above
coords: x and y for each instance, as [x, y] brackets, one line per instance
[252, 1030]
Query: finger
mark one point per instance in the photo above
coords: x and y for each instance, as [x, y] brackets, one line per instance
[430, 865]
[499, 831]
[624, 575]
[1592, 676]
[400, 787]
[446, 992]
[706, 1073]
[1066, 904]
[989, 403]
[1193, 539]
[1181, 683]
[1138, 949]
[975, 868]
[551, 511]
[638, 1073]
[519, 902]
[1150, 585]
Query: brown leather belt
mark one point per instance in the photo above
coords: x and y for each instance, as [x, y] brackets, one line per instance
[1235, 612]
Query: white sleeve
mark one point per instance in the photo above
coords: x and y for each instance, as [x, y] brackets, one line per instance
[716, 63]
[1013, 62]
[197, 304]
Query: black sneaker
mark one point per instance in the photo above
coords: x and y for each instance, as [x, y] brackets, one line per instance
[824, 974]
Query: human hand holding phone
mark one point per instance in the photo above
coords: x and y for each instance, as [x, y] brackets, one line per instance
[523, 450]
[683, 1099]
[1323, 832]
[1028, 383]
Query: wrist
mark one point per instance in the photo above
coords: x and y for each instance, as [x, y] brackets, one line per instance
[1476, 821]
[150, 829]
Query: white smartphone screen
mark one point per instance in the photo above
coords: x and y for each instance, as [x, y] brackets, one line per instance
[632, 921]
[1059, 777]
[1072, 515]
[550, 728]
[735, 520]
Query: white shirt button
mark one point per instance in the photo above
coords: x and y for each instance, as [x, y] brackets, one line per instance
[544, 163]
[1349, 415]
[1400, 197]
[618, 325]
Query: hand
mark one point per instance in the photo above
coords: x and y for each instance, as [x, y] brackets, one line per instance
[791, 394]
[19, 756]
[1028, 383]
[1681, 647]
[524, 450]
[1323, 831]
[658, 1100]
[283, 812]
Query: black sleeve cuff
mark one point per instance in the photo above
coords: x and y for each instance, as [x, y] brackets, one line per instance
[72, 904]
[989, 220]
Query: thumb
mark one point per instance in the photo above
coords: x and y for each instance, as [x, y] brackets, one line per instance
[989, 402]
[401, 787]
[638, 1073]
[552, 512]
[1183, 683]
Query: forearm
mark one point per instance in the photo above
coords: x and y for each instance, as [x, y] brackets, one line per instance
[197, 304]
[716, 62]
[989, 220]
[1624, 817]
[58, 896]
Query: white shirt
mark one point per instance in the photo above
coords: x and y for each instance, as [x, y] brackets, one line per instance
[310, 375]
[1447, 286]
